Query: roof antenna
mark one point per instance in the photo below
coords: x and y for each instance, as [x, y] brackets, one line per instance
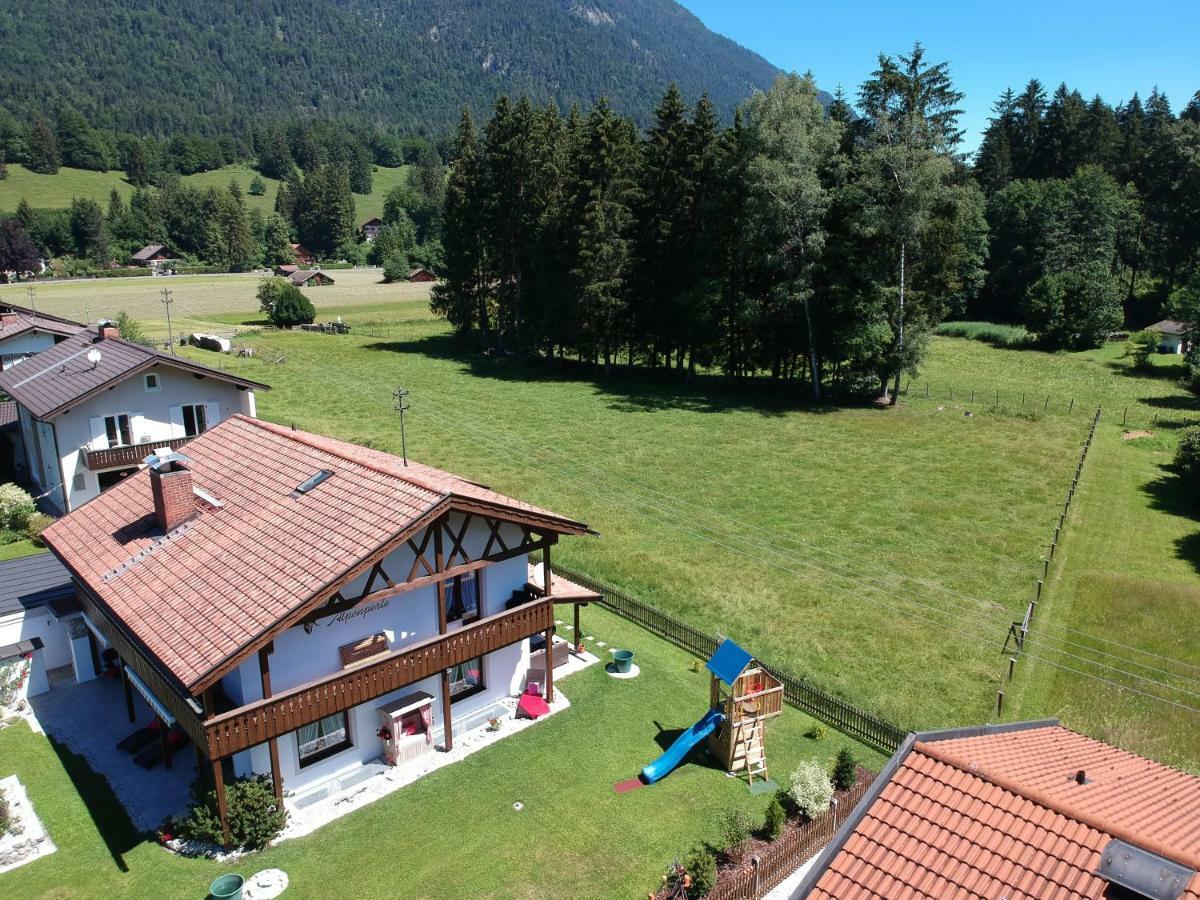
[400, 407]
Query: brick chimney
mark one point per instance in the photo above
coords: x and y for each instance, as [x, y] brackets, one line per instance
[108, 330]
[174, 500]
[7, 319]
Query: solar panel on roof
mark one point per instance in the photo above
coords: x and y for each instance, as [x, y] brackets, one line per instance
[313, 480]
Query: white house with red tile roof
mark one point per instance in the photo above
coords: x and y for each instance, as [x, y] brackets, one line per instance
[304, 607]
[93, 406]
[1024, 810]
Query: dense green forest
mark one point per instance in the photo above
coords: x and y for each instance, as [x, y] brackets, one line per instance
[219, 69]
[818, 245]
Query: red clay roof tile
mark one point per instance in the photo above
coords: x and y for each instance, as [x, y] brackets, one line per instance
[214, 585]
[1000, 814]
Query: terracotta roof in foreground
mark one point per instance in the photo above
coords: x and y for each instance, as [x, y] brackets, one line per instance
[204, 593]
[1001, 813]
[61, 376]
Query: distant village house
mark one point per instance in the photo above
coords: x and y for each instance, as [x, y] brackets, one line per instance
[154, 255]
[309, 278]
[304, 256]
[1173, 336]
[421, 274]
[370, 229]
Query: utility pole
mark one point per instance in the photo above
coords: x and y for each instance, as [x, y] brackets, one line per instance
[31, 294]
[167, 300]
[400, 407]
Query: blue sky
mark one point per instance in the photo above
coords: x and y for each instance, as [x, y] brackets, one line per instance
[1100, 47]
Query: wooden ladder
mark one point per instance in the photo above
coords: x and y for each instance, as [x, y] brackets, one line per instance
[754, 755]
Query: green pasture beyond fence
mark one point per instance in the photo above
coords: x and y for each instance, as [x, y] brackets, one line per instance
[846, 718]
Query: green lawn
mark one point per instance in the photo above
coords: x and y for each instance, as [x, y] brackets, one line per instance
[843, 519]
[454, 833]
[899, 490]
[18, 548]
[56, 191]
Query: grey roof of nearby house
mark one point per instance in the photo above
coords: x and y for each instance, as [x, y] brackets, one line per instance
[32, 581]
[58, 378]
[28, 320]
[305, 275]
[1168, 326]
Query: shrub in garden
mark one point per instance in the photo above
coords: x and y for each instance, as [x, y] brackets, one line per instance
[255, 816]
[1187, 454]
[16, 506]
[5, 816]
[1141, 346]
[736, 829]
[701, 866]
[845, 770]
[37, 523]
[774, 819]
[811, 788]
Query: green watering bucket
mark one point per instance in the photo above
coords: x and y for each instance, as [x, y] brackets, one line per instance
[226, 887]
[622, 660]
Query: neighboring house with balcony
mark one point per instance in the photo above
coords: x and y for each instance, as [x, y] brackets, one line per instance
[93, 406]
[26, 332]
[308, 609]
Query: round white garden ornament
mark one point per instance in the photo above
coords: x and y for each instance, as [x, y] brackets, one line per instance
[265, 885]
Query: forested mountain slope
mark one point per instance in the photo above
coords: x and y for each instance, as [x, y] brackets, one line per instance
[181, 65]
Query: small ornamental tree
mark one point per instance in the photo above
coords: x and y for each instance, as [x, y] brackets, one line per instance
[811, 788]
[774, 819]
[255, 815]
[701, 867]
[845, 770]
[258, 187]
[130, 329]
[1141, 346]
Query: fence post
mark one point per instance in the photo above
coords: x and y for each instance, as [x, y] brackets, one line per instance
[1124, 416]
[1039, 589]
[755, 863]
[999, 702]
[1012, 664]
[972, 395]
[1071, 407]
[1046, 407]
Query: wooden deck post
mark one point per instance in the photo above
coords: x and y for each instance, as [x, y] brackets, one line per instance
[222, 808]
[128, 693]
[264, 668]
[578, 634]
[439, 563]
[547, 577]
[550, 664]
[162, 742]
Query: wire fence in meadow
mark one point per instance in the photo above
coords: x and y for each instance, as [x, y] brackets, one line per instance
[797, 691]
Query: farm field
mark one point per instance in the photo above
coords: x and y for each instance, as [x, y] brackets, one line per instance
[881, 553]
[559, 770]
[56, 191]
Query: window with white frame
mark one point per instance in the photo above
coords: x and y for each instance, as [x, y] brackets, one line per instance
[321, 739]
[195, 419]
[151, 380]
[117, 430]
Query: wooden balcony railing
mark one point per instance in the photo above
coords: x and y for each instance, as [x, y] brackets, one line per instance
[123, 457]
[254, 723]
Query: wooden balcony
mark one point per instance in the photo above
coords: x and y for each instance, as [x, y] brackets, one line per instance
[124, 457]
[257, 722]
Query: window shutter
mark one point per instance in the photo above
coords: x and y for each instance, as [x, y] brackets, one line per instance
[99, 435]
[212, 414]
[177, 422]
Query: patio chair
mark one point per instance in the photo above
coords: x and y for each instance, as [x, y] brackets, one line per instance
[153, 755]
[140, 738]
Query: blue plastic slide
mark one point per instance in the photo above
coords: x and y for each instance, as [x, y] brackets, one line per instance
[662, 766]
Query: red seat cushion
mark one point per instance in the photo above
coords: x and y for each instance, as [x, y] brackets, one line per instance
[532, 706]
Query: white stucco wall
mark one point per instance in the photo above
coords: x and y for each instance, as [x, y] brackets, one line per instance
[39, 622]
[29, 342]
[150, 420]
[300, 658]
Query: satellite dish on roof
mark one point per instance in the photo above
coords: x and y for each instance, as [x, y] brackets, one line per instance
[94, 356]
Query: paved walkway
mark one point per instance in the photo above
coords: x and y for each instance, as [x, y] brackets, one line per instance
[90, 718]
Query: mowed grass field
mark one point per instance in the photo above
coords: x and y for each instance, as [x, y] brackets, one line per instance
[881, 553]
[56, 191]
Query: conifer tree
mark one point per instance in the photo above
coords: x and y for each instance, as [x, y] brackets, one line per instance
[44, 155]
